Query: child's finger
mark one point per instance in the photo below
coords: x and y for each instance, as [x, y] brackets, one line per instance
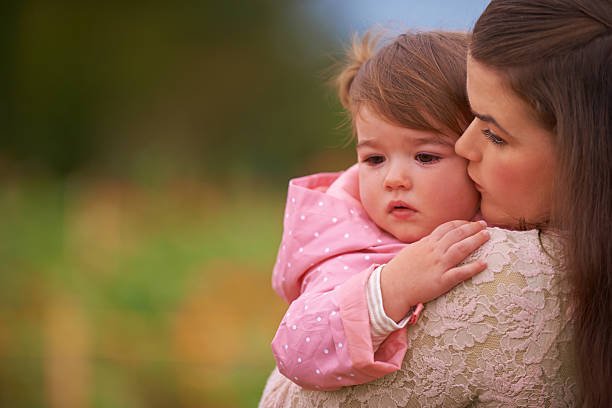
[442, 229]
[456, 275]
[460, 233]
[461, 249]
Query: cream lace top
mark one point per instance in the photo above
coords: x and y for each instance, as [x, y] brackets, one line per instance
[502, 339]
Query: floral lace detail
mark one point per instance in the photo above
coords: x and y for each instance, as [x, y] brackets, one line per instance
[502, 339]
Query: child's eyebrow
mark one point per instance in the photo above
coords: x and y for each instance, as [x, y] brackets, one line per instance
[437, 140]
[365, 143]
[433, 139]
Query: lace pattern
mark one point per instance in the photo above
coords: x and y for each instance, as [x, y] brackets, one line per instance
[502, 339]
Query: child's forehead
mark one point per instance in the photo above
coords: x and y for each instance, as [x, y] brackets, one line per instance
[372, 129]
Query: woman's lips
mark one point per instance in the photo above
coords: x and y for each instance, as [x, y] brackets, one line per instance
[478, 186]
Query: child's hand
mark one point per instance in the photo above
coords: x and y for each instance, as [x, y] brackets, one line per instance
[428, 268]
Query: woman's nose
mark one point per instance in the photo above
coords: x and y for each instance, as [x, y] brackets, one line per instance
[398, 177]
[467, 145]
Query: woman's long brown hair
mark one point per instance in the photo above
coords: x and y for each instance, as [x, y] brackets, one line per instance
[557, 56]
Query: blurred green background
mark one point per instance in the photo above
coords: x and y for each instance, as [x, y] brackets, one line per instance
[145, 149]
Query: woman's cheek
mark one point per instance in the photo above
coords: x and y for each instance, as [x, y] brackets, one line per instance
[505, 180]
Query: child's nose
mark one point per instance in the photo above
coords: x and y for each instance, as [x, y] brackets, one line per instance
[398, 177]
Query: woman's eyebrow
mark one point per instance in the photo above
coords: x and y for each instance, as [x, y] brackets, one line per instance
[490, 119]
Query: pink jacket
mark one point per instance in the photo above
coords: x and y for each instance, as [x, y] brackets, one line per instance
[329, 249]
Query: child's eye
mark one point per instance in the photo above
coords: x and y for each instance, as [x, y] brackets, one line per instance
[374, 160]
[426, 158]
[493, 137]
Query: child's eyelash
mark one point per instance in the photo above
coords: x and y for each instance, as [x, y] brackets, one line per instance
[427, 158]
[374, 160]
[493, 137]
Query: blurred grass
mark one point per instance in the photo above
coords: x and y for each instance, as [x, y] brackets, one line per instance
[115, 295]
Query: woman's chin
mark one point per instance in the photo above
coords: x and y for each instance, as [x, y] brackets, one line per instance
[512, 222]
[499, 219]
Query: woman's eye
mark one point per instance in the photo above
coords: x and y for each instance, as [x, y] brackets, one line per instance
[426, 158]
[374, 160]
[493, 137]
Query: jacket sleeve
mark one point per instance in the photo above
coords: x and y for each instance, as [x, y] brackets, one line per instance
[324, 340]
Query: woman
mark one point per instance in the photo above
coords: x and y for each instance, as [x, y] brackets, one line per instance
[544, 70]
[534, 329]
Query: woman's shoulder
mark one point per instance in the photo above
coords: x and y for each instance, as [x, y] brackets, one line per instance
[530, 241]
[522, 254]
[516, 314]
[524, 272]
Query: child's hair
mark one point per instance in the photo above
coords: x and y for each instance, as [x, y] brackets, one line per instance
[417, 81]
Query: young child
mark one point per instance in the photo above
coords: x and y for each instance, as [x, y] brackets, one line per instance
[344, 263]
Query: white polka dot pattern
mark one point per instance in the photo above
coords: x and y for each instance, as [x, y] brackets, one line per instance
[326, 244]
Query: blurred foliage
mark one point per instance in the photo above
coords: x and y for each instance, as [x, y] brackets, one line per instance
[145, 90]
[112, 295]
[144, 152]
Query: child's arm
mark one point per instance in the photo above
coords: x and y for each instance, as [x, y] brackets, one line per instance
[325, 341]
[312, 345]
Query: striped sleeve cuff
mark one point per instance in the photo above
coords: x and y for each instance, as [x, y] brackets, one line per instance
[381, 325]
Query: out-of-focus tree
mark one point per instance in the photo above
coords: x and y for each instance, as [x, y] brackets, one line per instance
[215, 90]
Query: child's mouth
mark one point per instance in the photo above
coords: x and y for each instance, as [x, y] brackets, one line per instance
[400, 209]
